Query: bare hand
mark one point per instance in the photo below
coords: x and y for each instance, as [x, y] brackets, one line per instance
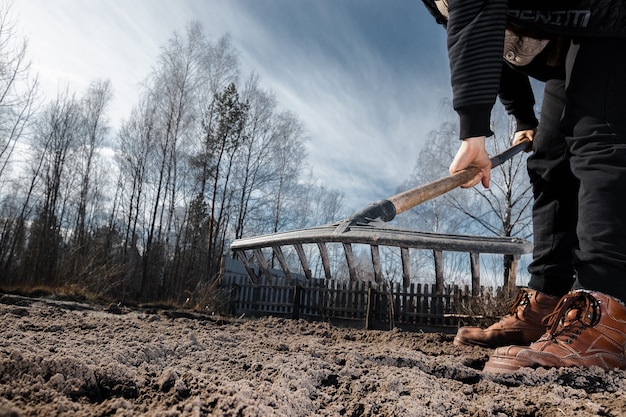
[521, 135]
[472, 152]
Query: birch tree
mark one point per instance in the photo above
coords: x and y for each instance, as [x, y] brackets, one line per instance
[54, 143]
[18, 89]
[504, 209]
[92, 135]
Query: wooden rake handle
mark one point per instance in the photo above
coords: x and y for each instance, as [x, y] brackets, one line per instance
[386, 210]
[415, 196]
[411, 198]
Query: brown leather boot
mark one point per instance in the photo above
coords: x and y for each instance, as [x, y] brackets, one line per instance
[586, 329]
[521, 326]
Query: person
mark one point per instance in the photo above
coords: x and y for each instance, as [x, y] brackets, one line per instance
[572, 312]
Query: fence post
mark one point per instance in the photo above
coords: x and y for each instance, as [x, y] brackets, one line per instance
[438, 255]
[425, 305]
[391, 306]
[370, 307]
[513, 274]
[438, 303]
[475, 268]
[233, 299]
[297, 292]
[256, 289]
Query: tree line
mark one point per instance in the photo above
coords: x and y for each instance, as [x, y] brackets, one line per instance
[146, 211]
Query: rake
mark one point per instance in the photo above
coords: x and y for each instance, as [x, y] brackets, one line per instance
[366, 227]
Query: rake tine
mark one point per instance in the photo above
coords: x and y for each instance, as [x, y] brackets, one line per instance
[406, 267]
[261, 259]
[378, 274]
[406, 240]
[278, 251]
[324, 255]
[350, 260]
[303, 261]
[249, 269]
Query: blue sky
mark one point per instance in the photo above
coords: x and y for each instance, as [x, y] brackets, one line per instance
[366, 77]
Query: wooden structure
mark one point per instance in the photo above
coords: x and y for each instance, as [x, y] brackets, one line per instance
[260, 250]
[361, 304]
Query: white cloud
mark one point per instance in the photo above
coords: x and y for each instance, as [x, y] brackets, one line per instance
[365, 77]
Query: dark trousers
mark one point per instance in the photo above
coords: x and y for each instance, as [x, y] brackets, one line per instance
[578, 173]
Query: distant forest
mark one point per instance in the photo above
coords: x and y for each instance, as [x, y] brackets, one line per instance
[147, 211]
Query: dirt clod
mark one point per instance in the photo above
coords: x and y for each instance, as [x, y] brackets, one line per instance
[56, 359]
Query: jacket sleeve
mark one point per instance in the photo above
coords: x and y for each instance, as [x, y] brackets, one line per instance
[516, 94]
[475, 44]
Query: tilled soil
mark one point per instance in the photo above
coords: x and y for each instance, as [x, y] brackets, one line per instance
[71, 359]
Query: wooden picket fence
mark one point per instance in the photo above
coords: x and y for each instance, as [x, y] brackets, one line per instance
[363, 304]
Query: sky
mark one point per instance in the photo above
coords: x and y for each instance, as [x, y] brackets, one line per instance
[365, 77]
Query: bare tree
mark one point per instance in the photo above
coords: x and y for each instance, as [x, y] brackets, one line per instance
[223, 125]
[17, 97]
[172, 91]
[94, 128]
[200, 160]
[17, 89]
[504, 209]
[167, 128]
[136, 148]
[436, 215]
[286, 159]
[501, 210]
[53, 146]
[252, 171]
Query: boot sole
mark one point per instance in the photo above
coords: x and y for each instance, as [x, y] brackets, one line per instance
[503, 365]
[499, 364]
[462, 342]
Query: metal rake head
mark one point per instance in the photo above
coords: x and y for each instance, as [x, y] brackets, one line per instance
[263, 250]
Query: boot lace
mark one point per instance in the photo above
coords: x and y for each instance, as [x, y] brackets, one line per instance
[574, 313]
[522, 299]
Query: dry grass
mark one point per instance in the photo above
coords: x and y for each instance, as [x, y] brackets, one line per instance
[484, 309]
[64, 293]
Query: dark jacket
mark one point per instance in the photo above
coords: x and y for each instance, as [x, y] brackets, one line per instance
[571, 17]
[476, 47]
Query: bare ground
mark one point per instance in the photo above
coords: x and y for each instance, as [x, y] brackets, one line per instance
[71, 359]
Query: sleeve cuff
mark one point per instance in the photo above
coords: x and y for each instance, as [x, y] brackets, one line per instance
[474, 121]
[526, 121]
